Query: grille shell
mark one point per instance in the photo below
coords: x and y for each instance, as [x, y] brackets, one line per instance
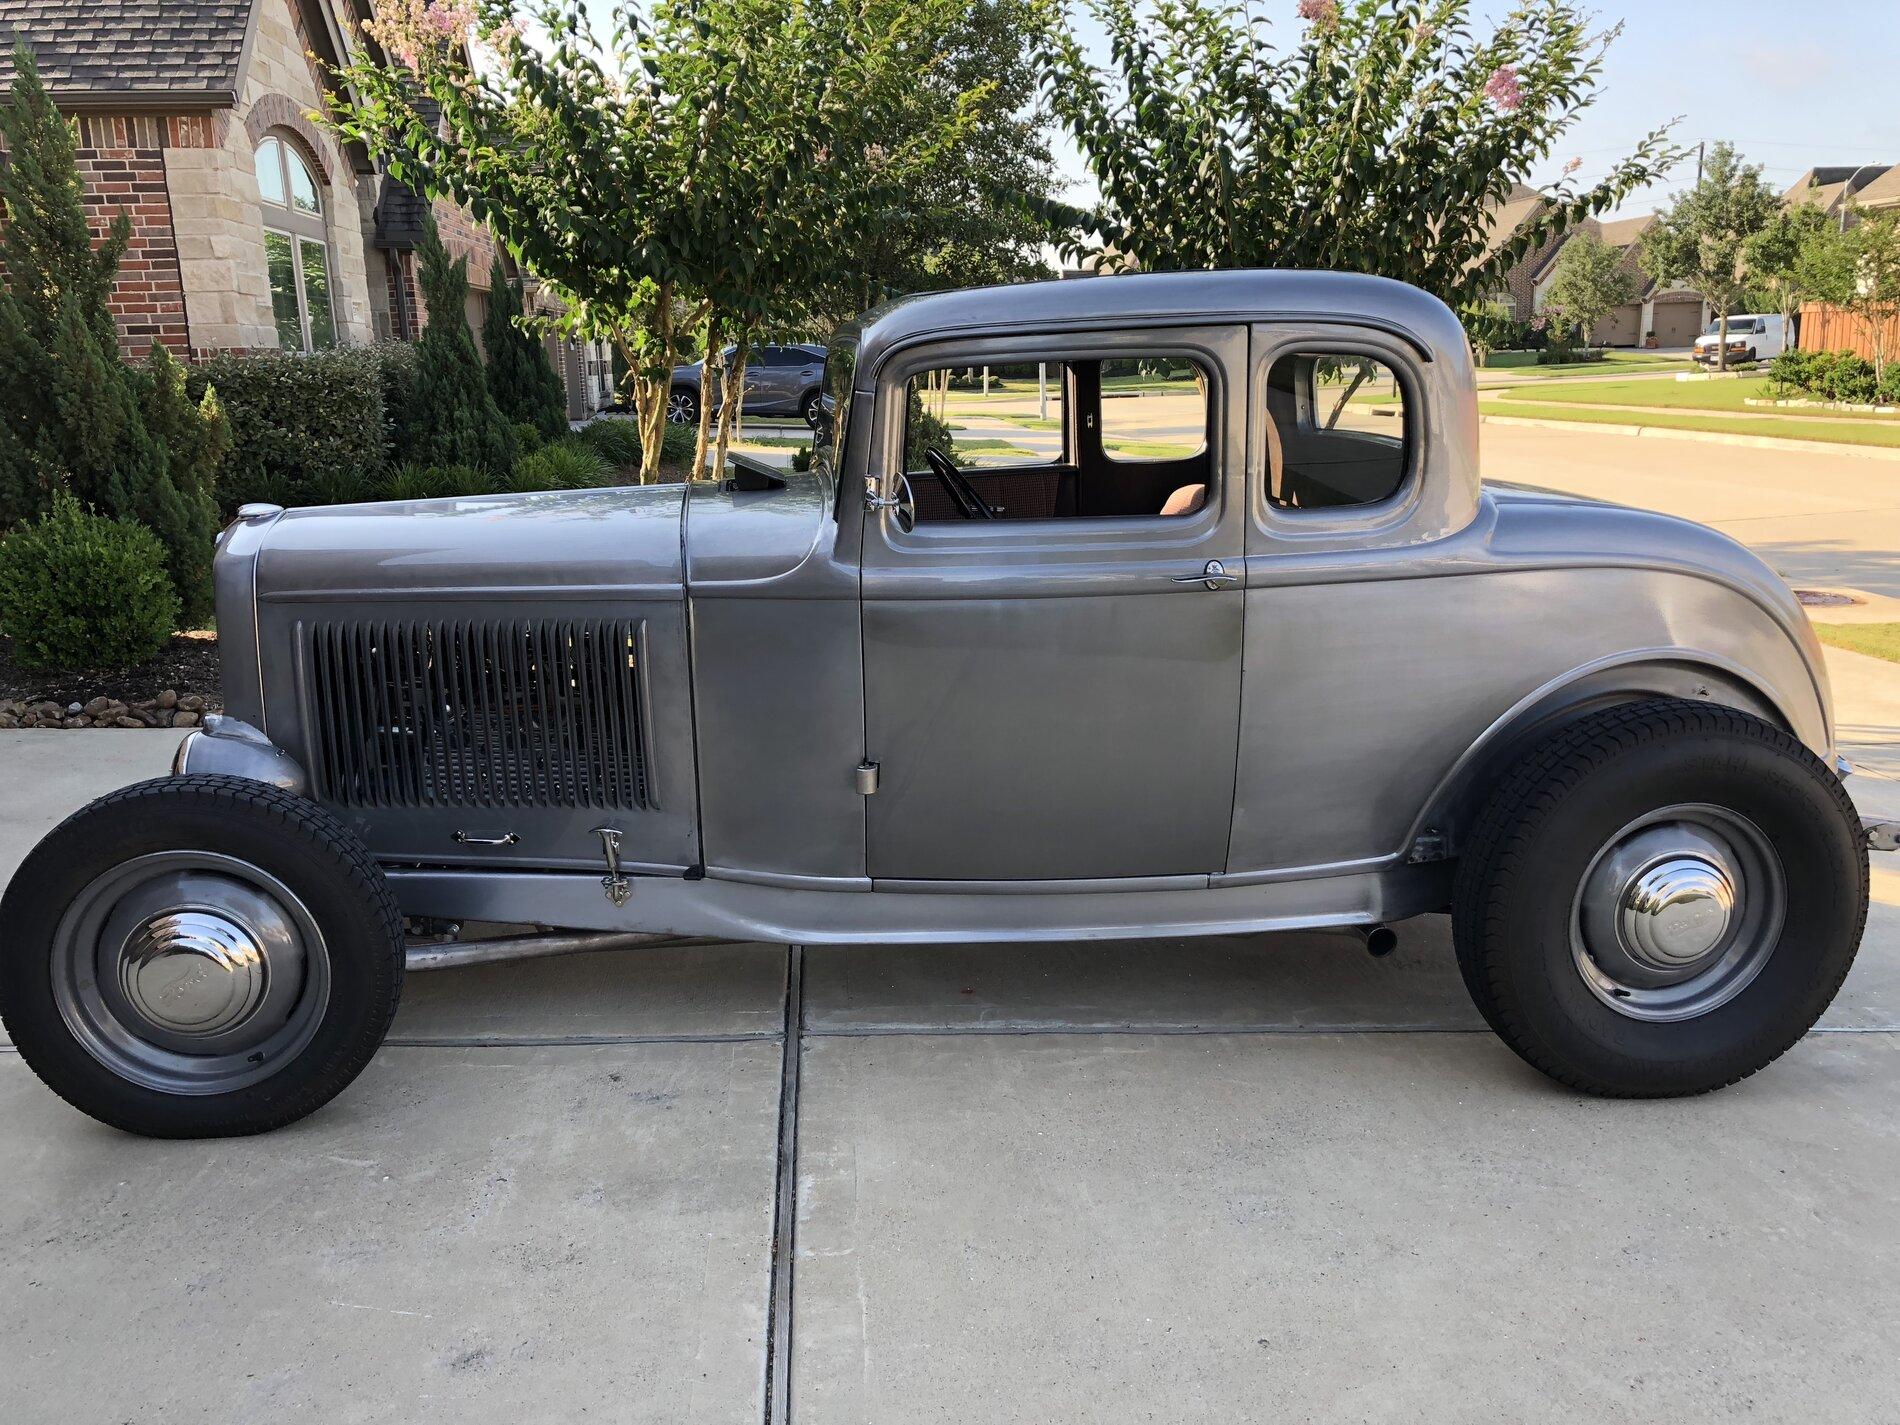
[456, 713]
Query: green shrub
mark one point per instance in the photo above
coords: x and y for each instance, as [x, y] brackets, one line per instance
[569, 464]
[80, 590]
[676, 446]
[438, 482]
[616, 442]
[299, 424]
[1792, 370]
[451, 419]
[1888, 393]
[922, 430]
[527, 439]
[520, 376]
[801, 458]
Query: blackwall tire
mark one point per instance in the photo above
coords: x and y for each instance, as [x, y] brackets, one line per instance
[199, 956]
[682, 407]
[812, 408]
[1660, 900]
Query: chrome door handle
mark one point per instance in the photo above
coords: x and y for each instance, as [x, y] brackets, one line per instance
[1211, 577]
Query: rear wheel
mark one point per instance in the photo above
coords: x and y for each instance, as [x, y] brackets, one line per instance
[1660, 900]
[682, 406]
[199, 956]
[811, 408]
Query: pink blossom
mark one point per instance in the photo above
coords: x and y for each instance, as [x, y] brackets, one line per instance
[1572, 166]
[1324, 14]
[1423, 31]
[1502, 88]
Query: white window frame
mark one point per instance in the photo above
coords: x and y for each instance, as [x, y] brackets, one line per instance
[301, 230]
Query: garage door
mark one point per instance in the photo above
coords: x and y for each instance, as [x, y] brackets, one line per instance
[1619, 328]
[1677, 323]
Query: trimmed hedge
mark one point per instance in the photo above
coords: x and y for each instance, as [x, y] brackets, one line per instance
[80, 590]
[1836, 376]
[302, 427]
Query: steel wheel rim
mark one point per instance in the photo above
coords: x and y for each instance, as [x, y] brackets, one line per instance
[1677, 913]
[190, 972]
[679, 408]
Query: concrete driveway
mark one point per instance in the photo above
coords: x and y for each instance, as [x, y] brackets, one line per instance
[1261, 1178]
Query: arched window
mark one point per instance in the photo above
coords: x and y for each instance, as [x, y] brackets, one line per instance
[296, 246]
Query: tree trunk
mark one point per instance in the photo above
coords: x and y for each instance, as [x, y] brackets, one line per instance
[1721, 340]
[732, 397]
[710, 365]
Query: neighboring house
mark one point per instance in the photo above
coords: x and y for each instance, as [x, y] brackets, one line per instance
[252, 228]
[1829, 328]
[1675, 314]
[1516, 290]
[1830, 188]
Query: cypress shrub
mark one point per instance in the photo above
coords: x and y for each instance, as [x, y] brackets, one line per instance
[520, 376]
[73, 415]
[450, 418]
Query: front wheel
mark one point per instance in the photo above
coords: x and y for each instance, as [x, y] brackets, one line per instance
[682, 406]
[812, 408]
[199, 956]
[1661, 900]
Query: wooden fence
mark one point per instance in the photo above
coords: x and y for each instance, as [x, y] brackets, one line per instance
[1826, 328]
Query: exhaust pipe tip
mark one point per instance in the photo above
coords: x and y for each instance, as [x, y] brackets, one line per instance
[1381, 941]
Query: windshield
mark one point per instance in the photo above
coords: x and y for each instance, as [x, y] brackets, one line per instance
[1735, 324]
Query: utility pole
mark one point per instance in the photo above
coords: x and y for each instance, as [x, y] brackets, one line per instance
[1700, 145]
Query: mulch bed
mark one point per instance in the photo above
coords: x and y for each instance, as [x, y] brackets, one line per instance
[174, 689]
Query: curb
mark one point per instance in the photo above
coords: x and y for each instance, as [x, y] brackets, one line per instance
[1707, 437]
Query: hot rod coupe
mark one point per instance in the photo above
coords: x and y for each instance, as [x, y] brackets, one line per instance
[1191, 617]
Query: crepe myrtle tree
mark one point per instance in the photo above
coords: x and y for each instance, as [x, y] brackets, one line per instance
[1701, 239]
[1588, 283]
[700, 170]
[1376, 136]
[1780, 259]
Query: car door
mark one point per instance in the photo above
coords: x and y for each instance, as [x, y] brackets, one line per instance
[768, 379]
[1056, 699]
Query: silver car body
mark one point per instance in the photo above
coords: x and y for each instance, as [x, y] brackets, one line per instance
[797, 719]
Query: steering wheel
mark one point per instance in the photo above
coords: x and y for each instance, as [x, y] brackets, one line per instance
[961, 492]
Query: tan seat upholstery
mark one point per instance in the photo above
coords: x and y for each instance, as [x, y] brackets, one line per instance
[1185, 501]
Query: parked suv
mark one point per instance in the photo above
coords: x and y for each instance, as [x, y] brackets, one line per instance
[779, 380]
[1750, 338]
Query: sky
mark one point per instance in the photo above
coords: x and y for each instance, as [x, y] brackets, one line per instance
[1792, 86]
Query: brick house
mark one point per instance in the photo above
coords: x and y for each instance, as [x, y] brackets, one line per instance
[1517, 289]
[1674, 313]
[253, 229]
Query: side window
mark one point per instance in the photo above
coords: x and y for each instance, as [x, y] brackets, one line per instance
[1336, 430]
[1153, 410]
[1107, 438]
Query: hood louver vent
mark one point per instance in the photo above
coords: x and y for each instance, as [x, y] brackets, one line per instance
[519, 713]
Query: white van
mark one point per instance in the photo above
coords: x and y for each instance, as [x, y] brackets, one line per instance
[1750, 338]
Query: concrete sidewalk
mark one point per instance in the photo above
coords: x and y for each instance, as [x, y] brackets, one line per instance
[1260, 1177]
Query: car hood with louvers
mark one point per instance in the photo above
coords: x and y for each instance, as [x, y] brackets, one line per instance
[484, 681]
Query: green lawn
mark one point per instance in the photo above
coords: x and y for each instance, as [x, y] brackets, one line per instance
[1647, 361]
[1882, 640]
[1843, 432]
[1693, 396]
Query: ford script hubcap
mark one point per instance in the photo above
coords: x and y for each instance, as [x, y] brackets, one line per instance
[1677, 913]
[190, 972]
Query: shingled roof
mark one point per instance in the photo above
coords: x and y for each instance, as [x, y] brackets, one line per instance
[136, 51]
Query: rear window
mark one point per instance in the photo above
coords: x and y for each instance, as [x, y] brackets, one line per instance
[1337, 431]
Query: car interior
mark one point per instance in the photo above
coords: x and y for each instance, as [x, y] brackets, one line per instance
[1122, 438]
[1060, 440]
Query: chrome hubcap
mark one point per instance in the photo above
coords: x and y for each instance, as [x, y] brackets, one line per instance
[190, 972]
[1677, 913]
[193, 972]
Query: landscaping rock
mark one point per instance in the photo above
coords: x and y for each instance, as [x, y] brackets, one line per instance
[75, 709]
[93, 707]
[184, 719]
[76, 721]
[9, 720]
[191, 702]
[167, 700]
[127, 720]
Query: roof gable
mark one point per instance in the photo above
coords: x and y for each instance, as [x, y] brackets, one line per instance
[189, 53]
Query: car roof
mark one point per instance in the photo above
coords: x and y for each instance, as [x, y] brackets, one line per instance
[1156, 298]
